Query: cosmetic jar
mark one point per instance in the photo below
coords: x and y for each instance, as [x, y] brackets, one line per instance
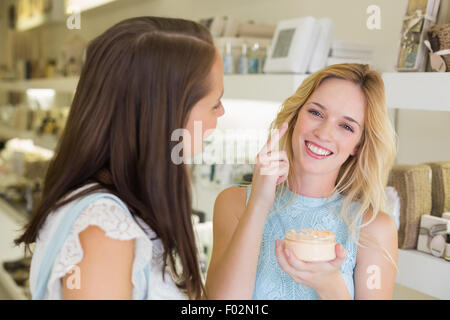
[311, 245]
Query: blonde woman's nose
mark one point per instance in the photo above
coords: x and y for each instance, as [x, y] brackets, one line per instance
[324, 131]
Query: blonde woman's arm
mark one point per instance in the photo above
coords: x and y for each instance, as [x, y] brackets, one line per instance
[238, 228]
[237, 233]
[375, 271]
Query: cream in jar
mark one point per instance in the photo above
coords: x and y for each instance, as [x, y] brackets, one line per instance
[311, 245]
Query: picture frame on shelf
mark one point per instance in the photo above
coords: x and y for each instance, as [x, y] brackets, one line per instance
[412, 54]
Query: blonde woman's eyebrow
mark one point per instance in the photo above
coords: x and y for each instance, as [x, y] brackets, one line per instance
[345, 117]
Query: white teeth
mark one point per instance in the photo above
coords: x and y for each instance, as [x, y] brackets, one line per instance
[318, 151]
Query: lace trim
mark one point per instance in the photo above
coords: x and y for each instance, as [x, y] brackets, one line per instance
[117, 224]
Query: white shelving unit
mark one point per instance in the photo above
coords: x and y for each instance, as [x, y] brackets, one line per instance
[10, 222]
[425, 273]
[421, 91]
[67, 84]
[62, 85]
[418, 90]
[44, 141]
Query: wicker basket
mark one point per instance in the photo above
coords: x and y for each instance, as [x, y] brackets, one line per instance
[439, 37]
[440, 187]
[413, 184]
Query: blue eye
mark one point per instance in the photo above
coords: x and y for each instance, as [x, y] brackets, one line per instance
[316, 113]
[348, 128]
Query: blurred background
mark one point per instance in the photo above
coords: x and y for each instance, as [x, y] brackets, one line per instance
[41, 55]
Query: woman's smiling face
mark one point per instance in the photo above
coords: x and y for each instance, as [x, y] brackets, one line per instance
[329, 127]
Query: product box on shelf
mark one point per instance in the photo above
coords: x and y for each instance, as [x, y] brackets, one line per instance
[413, 185]
[440, 188]
[432, 234]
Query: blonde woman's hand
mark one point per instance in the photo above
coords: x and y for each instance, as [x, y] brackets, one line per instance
[324, 277]
[271, 168]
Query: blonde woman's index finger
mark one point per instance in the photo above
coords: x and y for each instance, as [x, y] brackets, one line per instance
[275, 138]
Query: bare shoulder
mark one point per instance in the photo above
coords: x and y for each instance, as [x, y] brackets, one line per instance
[381, 231]
[382, 226]
[105, 269]
[94, 238]
[231, 200]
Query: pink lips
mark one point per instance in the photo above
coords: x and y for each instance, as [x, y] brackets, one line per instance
[310, 153]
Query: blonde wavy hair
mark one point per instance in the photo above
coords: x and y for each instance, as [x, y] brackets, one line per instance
[362, 178]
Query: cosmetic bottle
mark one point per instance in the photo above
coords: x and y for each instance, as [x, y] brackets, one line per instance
[253, 59]
[447, 247]
[228, 60]
[243, 60]
[437, 245]
[263, 59]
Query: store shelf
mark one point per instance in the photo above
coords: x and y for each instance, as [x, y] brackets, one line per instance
[424, 273]
[44, 141]
[11, 222]
[407, 90]
[10, 287]
[419, 90]
[68, 84]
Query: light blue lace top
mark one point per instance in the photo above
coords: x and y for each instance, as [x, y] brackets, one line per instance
[272, 283]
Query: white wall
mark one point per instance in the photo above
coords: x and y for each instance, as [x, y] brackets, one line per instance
[349, 17]
[424, 136]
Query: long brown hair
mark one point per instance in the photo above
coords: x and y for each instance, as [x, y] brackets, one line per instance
[139, 82]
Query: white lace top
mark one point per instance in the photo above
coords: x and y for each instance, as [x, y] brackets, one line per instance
[108, 215]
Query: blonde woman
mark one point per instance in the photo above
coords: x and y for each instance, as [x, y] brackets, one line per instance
[336, 147]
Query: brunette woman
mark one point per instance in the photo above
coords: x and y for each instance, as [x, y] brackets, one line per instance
[115, 218]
